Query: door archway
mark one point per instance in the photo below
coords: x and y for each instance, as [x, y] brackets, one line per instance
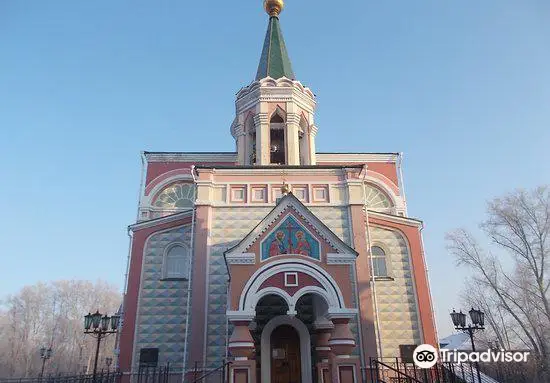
[305, 346]
[285, 355]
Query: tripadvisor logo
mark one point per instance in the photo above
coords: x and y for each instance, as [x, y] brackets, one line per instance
[426, 356]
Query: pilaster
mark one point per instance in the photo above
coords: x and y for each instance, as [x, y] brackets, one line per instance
[241, 143]
[312, 134]
[261, 123]
[292, 138]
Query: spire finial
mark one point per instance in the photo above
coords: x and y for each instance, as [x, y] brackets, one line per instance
[274, 7]
[285, 189]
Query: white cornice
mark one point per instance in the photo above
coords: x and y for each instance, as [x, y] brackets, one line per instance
[241, 259]
[191, 157]
[234, 316]
[270, 90]
[356, 157]
[396, 219]
[269, 82]
[161, 221]
[276, 170]
[340, 259]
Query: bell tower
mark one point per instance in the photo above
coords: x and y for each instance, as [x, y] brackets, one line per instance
[274, 124]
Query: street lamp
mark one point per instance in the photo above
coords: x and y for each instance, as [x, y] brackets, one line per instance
[478, 322]
[108, 361]
[45, 354]
[97, 325]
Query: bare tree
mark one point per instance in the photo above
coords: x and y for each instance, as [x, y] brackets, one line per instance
[512, 286]
[51, 315]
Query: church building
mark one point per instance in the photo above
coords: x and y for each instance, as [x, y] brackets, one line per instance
[293, 264]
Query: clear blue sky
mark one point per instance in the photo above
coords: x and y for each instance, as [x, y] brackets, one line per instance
[461, 87]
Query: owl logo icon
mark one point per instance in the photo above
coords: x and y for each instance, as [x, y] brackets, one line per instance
[425, 356]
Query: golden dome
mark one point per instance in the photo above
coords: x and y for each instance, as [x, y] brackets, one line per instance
[274, 7]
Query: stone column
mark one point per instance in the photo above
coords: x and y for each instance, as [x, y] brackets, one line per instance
[345, 368]
[323, 330]
[241, 347]
[342, 341]
[261, 123]
[241, 343]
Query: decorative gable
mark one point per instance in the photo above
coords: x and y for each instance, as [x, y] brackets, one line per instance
[290, 228]
[290, 237]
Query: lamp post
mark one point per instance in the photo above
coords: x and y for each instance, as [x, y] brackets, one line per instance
[45, 354]
[108, 361]
[97, 325]
[478, 322]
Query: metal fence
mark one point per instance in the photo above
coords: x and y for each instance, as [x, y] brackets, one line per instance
[164, 374]
[395, 370]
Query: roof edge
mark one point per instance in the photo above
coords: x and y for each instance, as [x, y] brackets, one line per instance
[161, 220]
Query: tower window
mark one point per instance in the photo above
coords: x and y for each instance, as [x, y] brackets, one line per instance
[252, 154]
[277, 140]
[176, 263]
[277, 147]
[380, 268]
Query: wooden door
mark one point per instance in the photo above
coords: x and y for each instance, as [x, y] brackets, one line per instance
[285, 355]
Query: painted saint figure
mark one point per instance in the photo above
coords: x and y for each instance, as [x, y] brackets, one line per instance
[277, 246]
[302, 245]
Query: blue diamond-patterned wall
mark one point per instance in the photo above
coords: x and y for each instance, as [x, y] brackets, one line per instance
[397, 309]
[162, 306]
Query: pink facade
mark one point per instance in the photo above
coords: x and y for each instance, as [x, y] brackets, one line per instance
[276, 254]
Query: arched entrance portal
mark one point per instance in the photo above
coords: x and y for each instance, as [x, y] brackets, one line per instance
[305, 347]
[283, 342]
[285, 355]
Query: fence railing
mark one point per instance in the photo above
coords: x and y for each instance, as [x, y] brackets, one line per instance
[103, 377]
[162, 374]
[396, 370]
[144, 374]
[221, 371]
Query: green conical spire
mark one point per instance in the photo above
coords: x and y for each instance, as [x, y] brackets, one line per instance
[274, 62]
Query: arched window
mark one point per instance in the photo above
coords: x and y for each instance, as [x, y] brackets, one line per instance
[377, 200]
[277, 139]
[380, 268]
[176, 196]
[176, 263]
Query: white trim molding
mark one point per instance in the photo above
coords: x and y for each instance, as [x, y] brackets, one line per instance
[357, 157]
[241, 344]
[330, 291]
[160, 221]
[341, 314]
[236, 316]
[191, 157]
[287, 282]
[241, 259]
[340, 259]
[396, 219]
